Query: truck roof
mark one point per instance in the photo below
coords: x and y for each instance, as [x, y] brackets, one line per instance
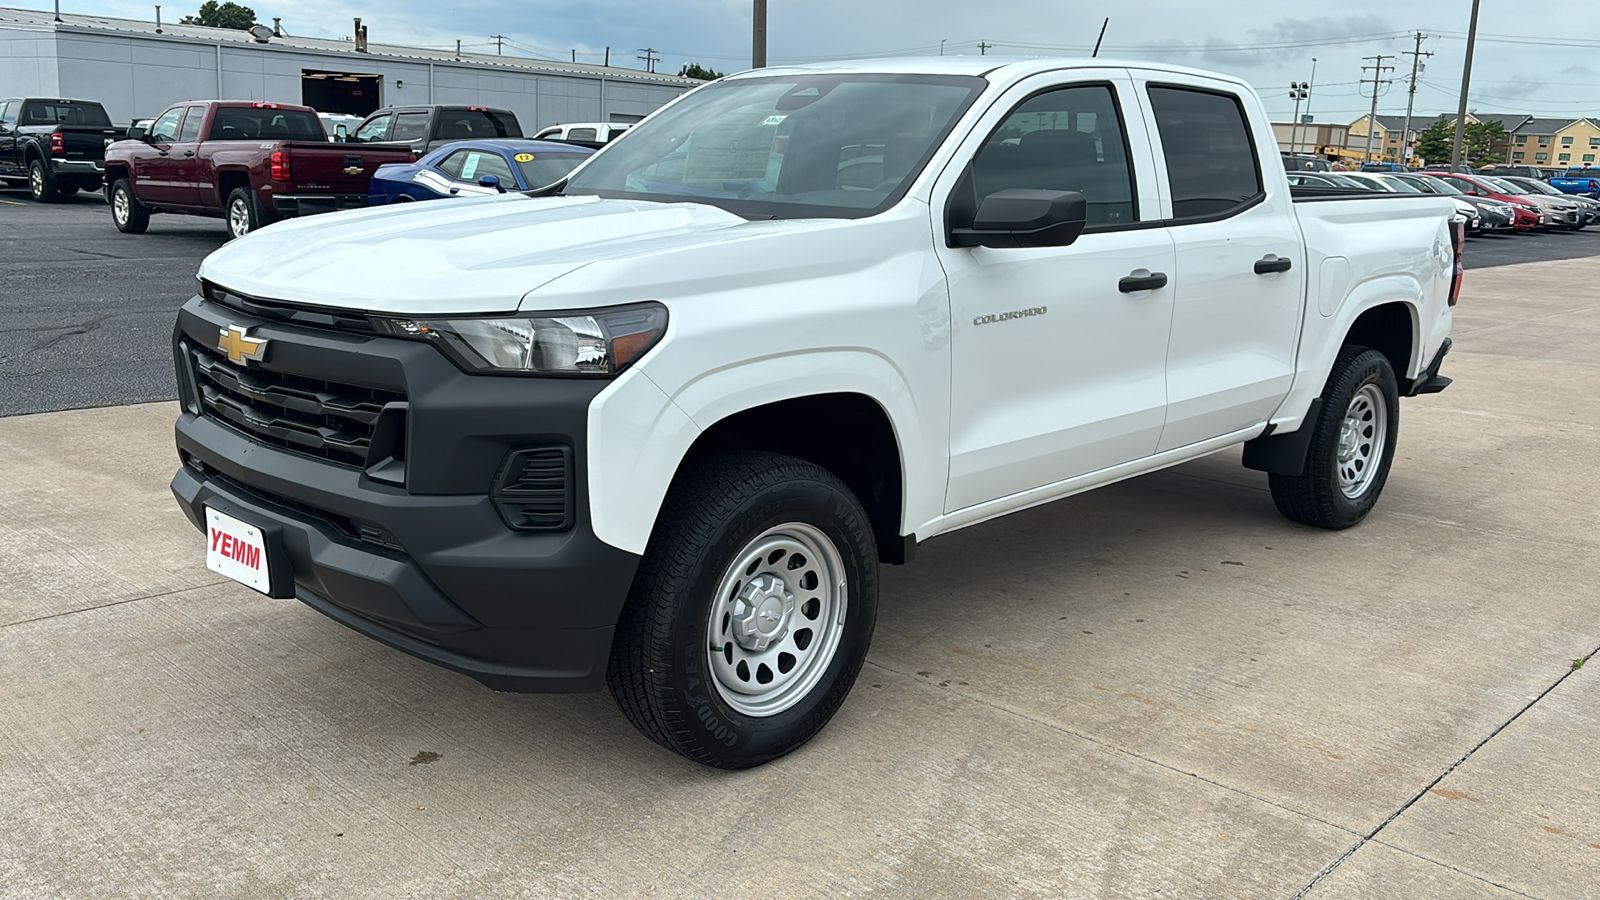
[1006, 68]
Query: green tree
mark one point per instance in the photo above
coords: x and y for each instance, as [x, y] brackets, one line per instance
[695, 70]
[222, 15]
[1485, 143]
[1433, 143]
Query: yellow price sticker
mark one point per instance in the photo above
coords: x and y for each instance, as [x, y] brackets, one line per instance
[523, 157]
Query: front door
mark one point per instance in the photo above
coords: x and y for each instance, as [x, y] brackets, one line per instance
[155, 172]
[1058, 353]
[1241, 269]
[187, 172]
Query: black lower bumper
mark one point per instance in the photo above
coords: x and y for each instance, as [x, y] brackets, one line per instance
[288, 205]
[430, 566]
[1430, 381]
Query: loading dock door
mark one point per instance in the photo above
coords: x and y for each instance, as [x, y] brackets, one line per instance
[340, 92]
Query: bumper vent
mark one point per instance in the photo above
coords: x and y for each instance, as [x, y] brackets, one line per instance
[317, 418]
[534, 490]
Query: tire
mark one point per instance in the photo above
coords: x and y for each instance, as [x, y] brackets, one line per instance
[127, 213]
[756, 557]
[241, 214]
[41, 184]
[1352, 445]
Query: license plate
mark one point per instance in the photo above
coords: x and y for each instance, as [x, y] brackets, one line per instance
[238, 550]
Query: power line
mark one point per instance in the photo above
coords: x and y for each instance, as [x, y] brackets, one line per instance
[649, 58]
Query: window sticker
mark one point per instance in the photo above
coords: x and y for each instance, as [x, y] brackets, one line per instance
[728, 152]
[471, 168]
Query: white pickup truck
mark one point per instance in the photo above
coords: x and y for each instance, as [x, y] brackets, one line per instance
[656, 429]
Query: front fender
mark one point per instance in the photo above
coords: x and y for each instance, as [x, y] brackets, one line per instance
[638, 436]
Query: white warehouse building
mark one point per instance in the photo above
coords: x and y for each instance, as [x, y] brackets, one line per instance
[136, 69]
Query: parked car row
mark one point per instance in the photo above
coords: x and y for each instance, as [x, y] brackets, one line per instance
[1488, 203]
[253, 163]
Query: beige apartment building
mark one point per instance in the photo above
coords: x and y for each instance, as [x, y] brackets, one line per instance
[1553, 143]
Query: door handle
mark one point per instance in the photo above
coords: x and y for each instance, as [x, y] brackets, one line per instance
[1270, 264]
[161, 153]
[1132, 284]
[188, 153]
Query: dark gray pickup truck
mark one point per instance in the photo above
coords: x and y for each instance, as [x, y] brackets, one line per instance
[57, 146]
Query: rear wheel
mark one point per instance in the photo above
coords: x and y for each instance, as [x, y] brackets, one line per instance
[1352, 445]
[751, 613]
[126, 212]
[41, 184]
[242, 215]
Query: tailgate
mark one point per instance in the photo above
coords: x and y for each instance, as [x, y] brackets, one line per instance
[336, 168]
[87, 141]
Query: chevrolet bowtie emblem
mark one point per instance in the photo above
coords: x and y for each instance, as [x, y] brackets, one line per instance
[240, 346]
[352, 170]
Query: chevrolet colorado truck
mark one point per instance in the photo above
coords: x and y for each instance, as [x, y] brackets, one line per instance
[57, 146]
[250, 164]
[655, 429]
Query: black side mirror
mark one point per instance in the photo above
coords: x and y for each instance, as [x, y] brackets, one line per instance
[492, 181]
[136, 132]
[1024, 217]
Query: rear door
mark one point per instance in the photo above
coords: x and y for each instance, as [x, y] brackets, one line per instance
[1058, 353]
[1240, 266]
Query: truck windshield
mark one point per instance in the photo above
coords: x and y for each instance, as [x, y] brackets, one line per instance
[63, 112]
[251, 123]
[832, 146]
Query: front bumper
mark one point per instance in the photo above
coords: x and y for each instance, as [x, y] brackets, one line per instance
[428, 566]
[288, 205]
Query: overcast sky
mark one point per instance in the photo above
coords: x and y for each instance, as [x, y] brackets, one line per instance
[1545, 64]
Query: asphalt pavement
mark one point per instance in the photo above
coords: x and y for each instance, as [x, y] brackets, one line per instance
[1156, 689]
[86, 312]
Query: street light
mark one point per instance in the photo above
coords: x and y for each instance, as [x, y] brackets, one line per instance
[1299, 91]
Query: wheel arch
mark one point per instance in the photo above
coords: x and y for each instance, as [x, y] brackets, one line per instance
[230, 180]
[1391, 328]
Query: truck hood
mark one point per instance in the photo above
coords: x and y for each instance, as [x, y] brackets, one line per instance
[469, 256]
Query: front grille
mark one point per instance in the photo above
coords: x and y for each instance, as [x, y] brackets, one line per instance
[366, 532]
[322, 419]
[292, 313]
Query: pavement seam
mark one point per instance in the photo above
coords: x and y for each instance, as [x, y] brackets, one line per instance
[1571, 668]
[73, 612]
[1443, 865]
[1116, 749]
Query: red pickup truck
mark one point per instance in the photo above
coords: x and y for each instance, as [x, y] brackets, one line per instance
[249, 163]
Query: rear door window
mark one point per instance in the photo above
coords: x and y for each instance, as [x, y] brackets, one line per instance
[1212, 165]
[191, 125]
[410, 126]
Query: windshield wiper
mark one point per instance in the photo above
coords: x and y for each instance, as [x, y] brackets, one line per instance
[549, 190]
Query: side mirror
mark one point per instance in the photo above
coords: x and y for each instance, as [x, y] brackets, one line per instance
[1024, 217]
[136, 132]
[492, 181]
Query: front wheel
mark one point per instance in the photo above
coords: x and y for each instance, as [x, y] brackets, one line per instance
[751, 612]
[1352, 445]
[126, 212]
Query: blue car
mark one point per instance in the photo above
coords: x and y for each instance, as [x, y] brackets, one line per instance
[475, 169]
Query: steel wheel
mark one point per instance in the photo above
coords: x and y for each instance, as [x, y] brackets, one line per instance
[120, 208]
[239, 216]
[777, 619]
[1361, 440]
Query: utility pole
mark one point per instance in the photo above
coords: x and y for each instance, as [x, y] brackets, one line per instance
[758, 35]
[941, 45]
[1378, 68]
[499, 41]
[1466, 80]
[1311, 89]
[1411, 99]
[1298, 90]
[983, 48]
[649, 58]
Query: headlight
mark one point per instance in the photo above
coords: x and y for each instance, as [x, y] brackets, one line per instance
[599, 342]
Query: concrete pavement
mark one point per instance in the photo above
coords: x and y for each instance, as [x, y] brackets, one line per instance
[1158, 689]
